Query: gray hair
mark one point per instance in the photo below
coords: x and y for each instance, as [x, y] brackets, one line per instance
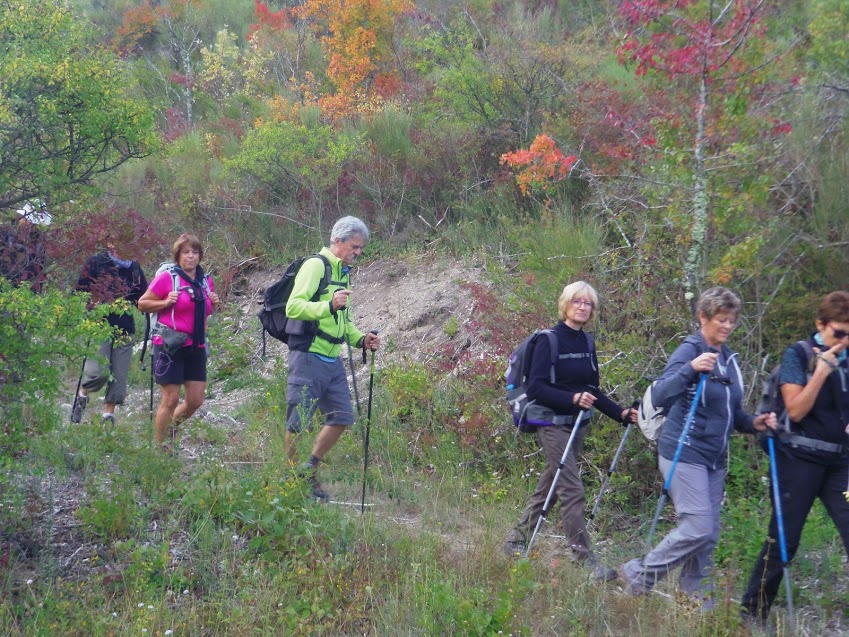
[346, 227]
[718, 299]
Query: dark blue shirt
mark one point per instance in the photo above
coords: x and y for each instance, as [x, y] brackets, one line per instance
[829, 415]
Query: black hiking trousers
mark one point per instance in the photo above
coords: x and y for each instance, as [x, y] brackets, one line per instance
[801, 482]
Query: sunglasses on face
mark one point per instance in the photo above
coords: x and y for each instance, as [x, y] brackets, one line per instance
[839, 334]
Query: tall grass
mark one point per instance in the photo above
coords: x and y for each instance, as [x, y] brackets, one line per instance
[103, 535]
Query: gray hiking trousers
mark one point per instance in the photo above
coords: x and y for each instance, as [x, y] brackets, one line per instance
[569, 491]
[113, 374]
[696, 492]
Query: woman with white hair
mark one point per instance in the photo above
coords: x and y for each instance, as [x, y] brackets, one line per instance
[557, 403]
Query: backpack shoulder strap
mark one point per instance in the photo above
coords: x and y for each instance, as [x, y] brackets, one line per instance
[328, 272]
[326, 278]
[590, 342]
[175, 287]
[552, 345]
[808, 350]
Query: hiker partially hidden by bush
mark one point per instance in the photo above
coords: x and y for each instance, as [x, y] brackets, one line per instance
[812, 459]
[701, 390]
[22, 244]
[107, 278]
[183, 296]
[561, 403]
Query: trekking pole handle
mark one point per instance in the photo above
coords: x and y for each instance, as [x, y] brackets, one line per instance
[364, 346]
[634, 405]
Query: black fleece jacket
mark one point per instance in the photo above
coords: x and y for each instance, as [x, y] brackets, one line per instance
[576, 371]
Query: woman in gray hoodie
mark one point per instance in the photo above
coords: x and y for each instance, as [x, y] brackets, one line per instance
[698, 480]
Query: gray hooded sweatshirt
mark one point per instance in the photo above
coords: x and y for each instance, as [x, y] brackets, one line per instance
[718, 413]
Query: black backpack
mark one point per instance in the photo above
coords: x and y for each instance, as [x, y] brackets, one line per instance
[771, 399]
[516, 376]
[273, 313]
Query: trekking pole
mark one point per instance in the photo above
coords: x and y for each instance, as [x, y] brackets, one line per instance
[144, 342]
[368, 425]
[546, 508]
[630, 425]
[782, 542]
[354, 381]
[150, 407]
[79, 384]
[664, 494]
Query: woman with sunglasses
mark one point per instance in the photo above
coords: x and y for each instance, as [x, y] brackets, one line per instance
[812, 458]
[184, 297]
[698, 478]
[557, 403]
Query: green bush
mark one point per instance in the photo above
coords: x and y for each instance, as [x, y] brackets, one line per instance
[43, 336]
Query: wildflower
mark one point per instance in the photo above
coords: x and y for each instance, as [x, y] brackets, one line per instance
[141, 605]
[29, 582]
[169, 632]
[150, 607]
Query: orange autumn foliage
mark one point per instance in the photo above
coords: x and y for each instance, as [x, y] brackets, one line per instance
[541, 166]
[358, 43]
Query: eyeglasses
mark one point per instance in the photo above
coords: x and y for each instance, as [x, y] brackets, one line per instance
[582, 303]
[839, 334]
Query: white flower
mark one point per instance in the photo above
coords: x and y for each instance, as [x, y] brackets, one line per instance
[29, 582]
[141, 605]
[150, 607]
[235, 537]
[169, 632]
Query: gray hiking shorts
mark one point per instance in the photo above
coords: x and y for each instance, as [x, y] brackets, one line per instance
[317, 384]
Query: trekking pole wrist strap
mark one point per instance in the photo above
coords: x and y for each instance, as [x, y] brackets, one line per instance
[831, 366]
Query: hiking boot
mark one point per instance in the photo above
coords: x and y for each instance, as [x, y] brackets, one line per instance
[632, 589]
[514, 548]
[310, 474]
[79, 406]
[599, 572]
[317, 492]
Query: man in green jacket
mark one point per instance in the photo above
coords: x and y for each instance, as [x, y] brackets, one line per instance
[317, 378]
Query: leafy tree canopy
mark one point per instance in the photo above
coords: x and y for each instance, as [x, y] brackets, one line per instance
[64, 116]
